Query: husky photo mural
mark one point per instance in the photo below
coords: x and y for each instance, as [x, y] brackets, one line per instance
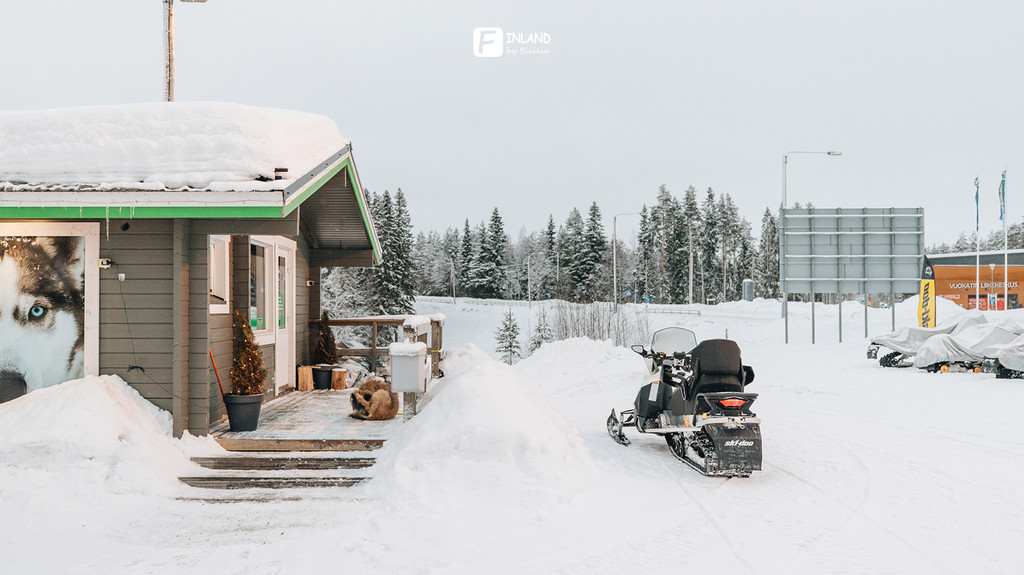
[42, 309]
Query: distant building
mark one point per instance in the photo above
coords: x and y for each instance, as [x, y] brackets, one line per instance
[956, 276]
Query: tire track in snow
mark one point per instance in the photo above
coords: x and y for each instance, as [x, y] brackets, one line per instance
[711, 520]
[938, 567]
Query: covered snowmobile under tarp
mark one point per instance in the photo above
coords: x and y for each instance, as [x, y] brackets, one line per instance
[906, 341]
[967, 348]
[1006, 361]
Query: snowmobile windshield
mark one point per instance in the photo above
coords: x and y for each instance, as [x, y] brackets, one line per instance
[672, 339]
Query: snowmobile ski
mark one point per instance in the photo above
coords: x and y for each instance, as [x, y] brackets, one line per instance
[615, 430]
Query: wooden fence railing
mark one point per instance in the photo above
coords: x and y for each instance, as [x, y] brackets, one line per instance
[411, 328]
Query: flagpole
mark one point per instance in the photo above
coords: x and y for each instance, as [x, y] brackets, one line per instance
[977, 248]
[1006, 248]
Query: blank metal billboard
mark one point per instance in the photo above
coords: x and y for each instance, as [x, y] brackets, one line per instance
[852, 250]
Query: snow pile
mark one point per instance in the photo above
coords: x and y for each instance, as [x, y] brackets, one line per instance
[483, 430]
[95, 430]
[155, 146]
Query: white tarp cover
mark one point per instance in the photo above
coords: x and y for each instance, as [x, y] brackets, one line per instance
[968, 345]
[1011, 355]
[908, 340]
[213, 146]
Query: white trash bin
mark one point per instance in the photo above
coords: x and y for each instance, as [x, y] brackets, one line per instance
[410, 367]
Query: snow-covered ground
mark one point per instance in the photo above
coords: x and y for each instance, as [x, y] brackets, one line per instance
[510, 470]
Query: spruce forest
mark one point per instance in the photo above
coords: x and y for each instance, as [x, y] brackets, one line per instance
[569, 260]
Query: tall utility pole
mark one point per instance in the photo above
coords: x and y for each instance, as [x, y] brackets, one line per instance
[168, 50]
[169, 47]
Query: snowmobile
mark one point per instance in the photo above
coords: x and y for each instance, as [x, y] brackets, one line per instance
[697, 402]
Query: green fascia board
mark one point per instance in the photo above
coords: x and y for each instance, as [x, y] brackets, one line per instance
[138, 212]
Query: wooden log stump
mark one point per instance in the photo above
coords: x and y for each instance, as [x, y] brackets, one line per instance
[305, 378]
[338, 379]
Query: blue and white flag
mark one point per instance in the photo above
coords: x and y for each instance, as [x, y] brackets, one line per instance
[977, 213]
[1002, 198]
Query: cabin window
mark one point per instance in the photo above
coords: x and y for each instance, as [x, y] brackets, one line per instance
[220, 274]
[259, 290]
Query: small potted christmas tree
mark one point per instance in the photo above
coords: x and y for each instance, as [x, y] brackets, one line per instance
[247, 377]
[325, 356]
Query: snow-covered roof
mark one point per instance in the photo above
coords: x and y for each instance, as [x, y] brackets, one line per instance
[162, 146]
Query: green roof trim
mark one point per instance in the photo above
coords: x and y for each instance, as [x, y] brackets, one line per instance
[139, 212]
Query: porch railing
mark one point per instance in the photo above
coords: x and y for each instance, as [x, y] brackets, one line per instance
[411, 327]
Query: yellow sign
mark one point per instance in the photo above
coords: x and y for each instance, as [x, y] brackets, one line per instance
[926, 305]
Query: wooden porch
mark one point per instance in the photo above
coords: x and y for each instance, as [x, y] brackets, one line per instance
[315, 420]
[277, 454]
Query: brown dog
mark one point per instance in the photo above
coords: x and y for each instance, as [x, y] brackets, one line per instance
[373, 399]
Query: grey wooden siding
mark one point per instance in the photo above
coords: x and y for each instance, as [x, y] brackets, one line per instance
[135, 315]
[303, 296]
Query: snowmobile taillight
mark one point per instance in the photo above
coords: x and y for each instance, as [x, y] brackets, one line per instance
[732, 403]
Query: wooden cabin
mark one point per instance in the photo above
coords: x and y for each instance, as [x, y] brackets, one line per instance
[181, 214]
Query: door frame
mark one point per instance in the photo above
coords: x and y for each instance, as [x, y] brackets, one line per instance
[283, 340]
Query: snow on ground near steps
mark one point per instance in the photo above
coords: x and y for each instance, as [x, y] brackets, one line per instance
[166, 145]
[92, 430]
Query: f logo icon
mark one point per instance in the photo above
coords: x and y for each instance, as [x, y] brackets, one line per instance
[488, 42]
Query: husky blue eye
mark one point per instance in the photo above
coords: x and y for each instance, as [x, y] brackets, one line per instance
[37, 311]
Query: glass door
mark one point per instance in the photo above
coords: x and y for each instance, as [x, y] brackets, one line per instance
[284, 318]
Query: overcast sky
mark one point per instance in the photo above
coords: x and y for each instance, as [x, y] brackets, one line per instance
[920, 96]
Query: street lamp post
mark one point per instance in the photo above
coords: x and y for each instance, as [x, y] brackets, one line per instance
[615, 274]
[782, 237]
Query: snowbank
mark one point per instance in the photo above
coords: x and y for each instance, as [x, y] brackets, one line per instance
[482, 431]
[156, 146]
[95, 430]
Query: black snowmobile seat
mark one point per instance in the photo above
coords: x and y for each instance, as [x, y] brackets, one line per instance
[717, 366]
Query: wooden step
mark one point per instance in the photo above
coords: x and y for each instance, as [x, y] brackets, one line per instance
[249, 463]
[301, 444]
[248, 482]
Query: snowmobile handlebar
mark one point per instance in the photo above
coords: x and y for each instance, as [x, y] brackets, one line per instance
[658, 357]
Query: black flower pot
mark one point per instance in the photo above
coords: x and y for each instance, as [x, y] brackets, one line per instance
[243, 411]
[322, 377]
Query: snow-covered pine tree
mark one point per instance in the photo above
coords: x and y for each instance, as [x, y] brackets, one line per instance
[544, 332]
[404, 270]
[644, 253]
[451, 263]
[466, 256]
[507, 337]
[572, 246]
[691, 217]
[731, 232]
[710, 256]
[677, 245]
[766, 280]
[494, 258]
[549, 281]
[595, 245]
